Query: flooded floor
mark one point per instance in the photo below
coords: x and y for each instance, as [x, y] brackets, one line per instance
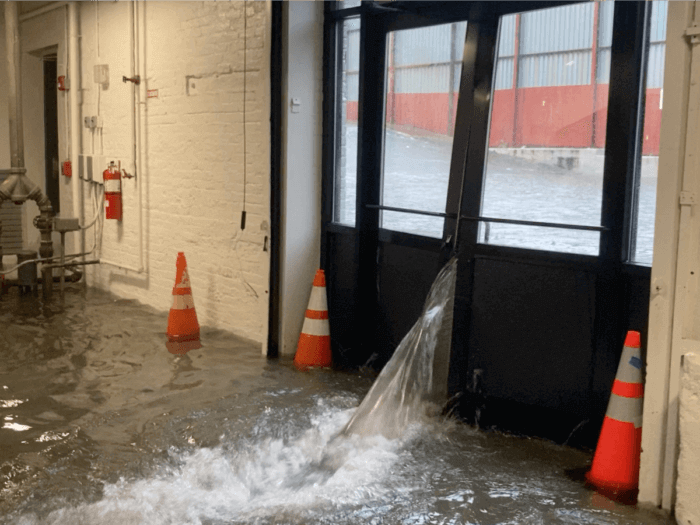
[101, 425]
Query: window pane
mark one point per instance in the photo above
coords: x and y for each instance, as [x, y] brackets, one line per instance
[345, 4]
[547, 133]
[643, 234]
[346, 114]
[423, 71]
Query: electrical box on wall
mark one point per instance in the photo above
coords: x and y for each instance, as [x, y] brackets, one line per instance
[85, 167]
[91, 167]
[99, 164]
[101, 74]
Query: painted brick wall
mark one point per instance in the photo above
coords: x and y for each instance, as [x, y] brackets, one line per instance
[193, 144]
[687, 504]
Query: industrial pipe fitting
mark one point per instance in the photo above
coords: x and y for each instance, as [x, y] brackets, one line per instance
[18, 187]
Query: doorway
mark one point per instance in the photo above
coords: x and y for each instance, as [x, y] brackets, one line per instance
[473, 131]
[51, 162]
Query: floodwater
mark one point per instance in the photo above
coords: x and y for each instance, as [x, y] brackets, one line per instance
[416, 174]
[101, 425]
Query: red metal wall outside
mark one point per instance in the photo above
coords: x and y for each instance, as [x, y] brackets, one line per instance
[553, 116]
[652, 122]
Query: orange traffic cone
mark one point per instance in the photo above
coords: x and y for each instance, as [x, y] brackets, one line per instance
[314, 348]
[183, 328]
[615, 468]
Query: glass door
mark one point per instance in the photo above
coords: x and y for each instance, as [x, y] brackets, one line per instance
[509, 137]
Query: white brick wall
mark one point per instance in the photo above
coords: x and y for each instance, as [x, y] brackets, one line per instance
[193, 152]
[687, 504]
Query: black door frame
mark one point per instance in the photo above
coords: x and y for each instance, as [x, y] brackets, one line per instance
[624, 125]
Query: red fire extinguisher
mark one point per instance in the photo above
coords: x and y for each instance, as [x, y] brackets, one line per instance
[113, 192]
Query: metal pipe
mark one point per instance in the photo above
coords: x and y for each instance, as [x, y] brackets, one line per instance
[72, 264]
[74, 277]
[141, 120]
[14, 93]
[40, 260]
[75, 128]
[18, 187]
[63, 260]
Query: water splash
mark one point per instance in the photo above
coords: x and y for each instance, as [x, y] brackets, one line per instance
[407, 384]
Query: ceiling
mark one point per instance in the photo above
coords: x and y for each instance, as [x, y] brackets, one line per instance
[28, 7]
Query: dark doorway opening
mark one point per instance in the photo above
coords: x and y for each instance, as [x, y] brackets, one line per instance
[51, 132]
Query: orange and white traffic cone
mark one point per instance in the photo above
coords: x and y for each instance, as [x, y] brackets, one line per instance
[183, 328]
[615, 468]
[314, 348]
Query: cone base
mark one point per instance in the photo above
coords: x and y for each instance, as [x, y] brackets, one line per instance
[313, 351]
[615, 492]
[183, 326]
[184, 338]
[182, 347]
[615, 467]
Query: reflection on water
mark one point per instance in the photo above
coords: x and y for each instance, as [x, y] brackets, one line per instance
[105, 426]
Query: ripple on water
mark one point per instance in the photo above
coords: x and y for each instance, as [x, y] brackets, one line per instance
[123, 432]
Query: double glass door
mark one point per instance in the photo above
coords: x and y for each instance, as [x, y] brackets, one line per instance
[488, 135]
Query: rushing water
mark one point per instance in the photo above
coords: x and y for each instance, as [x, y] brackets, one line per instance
[101, 425]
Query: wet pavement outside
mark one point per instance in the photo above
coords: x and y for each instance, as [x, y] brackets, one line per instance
[416, 173]
[101, 424]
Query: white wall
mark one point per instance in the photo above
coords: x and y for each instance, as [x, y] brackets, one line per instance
[301, 166]
[673, 312]
[688, 506]
[193, 149]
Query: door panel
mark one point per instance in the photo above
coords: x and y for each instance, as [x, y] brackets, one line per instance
[532, 332]
[404, 279]
[543, 298]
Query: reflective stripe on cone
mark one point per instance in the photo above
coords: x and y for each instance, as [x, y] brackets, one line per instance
[615, 468]
[183, 327]
[314, 348]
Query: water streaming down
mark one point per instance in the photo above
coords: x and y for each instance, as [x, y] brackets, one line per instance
[101, 425]
[404, 389]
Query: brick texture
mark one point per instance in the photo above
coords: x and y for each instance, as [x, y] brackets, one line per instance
[687, 504]
[193, 152]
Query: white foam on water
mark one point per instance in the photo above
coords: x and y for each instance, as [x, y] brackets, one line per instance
[317, 469]
[342, 461]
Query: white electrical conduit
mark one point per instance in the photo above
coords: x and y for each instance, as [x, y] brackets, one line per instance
[75, 128]
[137, 39]
[96, 196]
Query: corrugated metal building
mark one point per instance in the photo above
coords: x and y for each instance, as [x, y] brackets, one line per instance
[566, 48]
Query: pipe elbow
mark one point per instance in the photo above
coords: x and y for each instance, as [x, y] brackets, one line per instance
[7, 188]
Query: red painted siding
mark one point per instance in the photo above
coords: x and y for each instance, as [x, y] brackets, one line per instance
[502, 118]
[652, 123]
[543, 121]
[351, 110]
[426, 111]
[601, 115]
[554, 116]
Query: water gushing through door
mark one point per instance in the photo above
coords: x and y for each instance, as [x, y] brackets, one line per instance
[102, 426]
